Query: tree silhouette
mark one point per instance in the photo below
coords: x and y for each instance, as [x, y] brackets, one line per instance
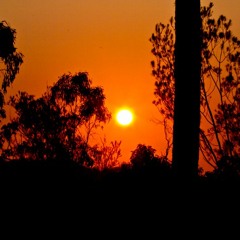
[187, 88]
[58, 125]
[106, 156]
[144, 158]
[220, 96]
[10, 61]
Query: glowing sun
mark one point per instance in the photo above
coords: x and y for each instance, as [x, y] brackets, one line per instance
[124, 117]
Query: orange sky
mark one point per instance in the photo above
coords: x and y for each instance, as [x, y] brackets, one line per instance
[109, 39]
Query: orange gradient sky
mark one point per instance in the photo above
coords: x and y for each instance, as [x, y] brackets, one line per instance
[109, 39]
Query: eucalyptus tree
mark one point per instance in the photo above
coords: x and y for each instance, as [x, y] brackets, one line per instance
[220, 92]
[60, 124]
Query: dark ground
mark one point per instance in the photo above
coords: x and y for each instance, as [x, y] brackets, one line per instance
[116, 204]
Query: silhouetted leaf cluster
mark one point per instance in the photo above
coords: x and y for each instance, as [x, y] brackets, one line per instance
[10, 60]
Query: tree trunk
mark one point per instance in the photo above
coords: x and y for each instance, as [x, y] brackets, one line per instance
[187, 88]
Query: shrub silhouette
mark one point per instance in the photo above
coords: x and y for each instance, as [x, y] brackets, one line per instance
[144, 160]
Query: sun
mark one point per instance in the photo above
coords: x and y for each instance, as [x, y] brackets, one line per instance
[124, 117]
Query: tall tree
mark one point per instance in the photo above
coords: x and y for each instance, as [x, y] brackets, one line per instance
[220, 92]
[187, 88]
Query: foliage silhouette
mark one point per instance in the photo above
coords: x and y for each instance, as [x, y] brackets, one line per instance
[144, 160]
[144, 156]
[10, 61]
[58, 125]
[220, 79]
[107, 156]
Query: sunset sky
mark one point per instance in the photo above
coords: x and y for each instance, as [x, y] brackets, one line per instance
[109, 39]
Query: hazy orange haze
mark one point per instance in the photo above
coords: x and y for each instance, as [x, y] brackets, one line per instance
[109, 39]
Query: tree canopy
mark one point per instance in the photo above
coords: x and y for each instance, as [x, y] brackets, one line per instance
[10, 61]
[60, 124]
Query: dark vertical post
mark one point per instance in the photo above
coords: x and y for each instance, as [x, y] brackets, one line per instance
[187, 88]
